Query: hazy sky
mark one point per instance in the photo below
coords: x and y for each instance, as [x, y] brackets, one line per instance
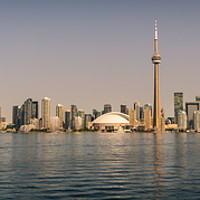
[93, 52]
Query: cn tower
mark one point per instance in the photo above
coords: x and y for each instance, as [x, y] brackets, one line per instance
[156, 59]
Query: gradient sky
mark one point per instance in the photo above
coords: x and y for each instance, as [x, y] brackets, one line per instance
[93, 52]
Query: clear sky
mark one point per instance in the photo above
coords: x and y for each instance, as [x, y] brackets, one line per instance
[93, 52]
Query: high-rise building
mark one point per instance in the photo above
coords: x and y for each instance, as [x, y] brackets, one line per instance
[16, 116]
[96, 113]
[137, 109]
[107, 108]
[123, 108]
[27, 111]
[81, 115]
[88, 118]
[67, 119]
[197, 98]
[190, 108]
[46, 113]
[141, 114]
[0, 114]
[197, 121]
[60, 113]
[132, 117]
[182, 120]
[35, 109]
[156, 59]
[147, 119]
[73, 115]
[178, 104]
[149, 106]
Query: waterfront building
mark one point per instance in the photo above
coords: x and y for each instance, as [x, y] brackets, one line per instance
[197, 121]
[16, 116]
[81, 119]
[35, 122]
[197, 98]
[149, 106]
[46, 113]
[96, 113]
[110, 121]
[27, 111]
[60, 113]
[88, 119]
[141, 114]
[54, 123]
[182, 120]
[67, 119]
[107, 108]
[137, 109]
[191, 107]
[73, 114]
[178, 104]
[132, 117]
[147, 119]
[35, 109]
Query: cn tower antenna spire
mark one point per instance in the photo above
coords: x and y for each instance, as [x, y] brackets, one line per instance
[156, 30]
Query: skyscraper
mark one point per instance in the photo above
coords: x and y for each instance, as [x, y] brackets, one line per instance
[67, 119]
[147, 119]
[96, 113]
[60, 113]
[132, 117]
[107, 108]
[16, 116]
[46, 113]
[156, 59]
[81, 114]
[190, 108]
[182, 120]
[35, 109]
[197, 120]
[73, 115]
[27, 111]
[137, 109]
[197, 98]
[123, 108]
[178, 104]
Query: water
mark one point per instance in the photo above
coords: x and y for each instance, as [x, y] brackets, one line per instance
[99, 166]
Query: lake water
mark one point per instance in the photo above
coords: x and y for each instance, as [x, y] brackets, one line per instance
[100, 166]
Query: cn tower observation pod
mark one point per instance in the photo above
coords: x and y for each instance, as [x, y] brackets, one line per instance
[110, 121]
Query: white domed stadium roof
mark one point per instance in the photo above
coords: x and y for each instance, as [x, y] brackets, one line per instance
[112, 118]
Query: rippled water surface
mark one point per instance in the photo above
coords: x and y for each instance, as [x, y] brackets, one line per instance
[100, 166]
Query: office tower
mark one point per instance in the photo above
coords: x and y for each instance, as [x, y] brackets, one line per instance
[147, 119]
[107, 108]
[137, 109]
[60, 113]
[16, 115]
[197, 98]
[88, 118]
[182, 120]
[22, 115]
[190, 108]
[178, 104]
[149, 106]
[96, 113]
[156, 59]
[132, 117]
[73, 114]
[141, 114]
[81, 119]
[46, 113]
[196, 121]
[123, 109]
[35, 109]
[27, 111]
[67, 119]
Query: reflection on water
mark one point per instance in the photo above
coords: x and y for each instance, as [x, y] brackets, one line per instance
[100, 166]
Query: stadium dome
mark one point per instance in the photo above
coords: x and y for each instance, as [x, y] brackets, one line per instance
[110, 121]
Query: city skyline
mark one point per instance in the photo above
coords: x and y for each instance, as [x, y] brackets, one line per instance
[96, 53]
